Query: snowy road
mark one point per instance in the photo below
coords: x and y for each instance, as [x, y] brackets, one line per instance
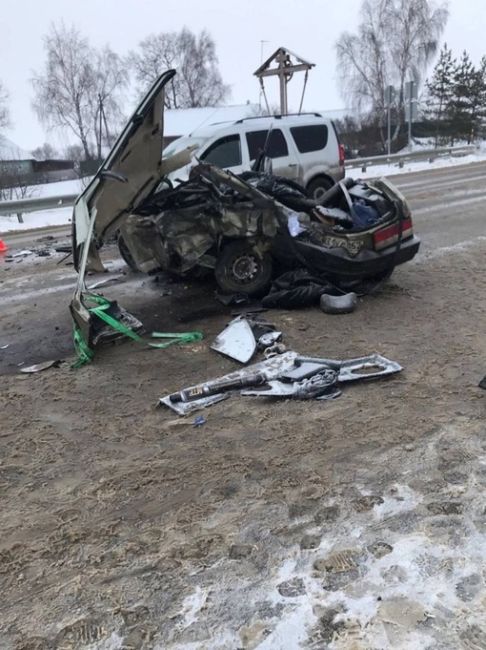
[447, 205]
[354, 524]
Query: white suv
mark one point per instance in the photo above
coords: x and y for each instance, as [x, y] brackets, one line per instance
[304, 148]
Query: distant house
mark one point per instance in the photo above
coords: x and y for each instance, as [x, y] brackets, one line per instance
[14, 160]
[180, 122]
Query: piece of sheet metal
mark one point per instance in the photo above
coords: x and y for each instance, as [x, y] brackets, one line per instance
[370, 367]
[272, 368]
[39, 367]
[236, 341]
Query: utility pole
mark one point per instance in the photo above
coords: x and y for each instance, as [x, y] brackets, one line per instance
[410, 107]
[410, 116]
[389, 97]
[100, 108]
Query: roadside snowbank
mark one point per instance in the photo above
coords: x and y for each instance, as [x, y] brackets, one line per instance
[420, 165]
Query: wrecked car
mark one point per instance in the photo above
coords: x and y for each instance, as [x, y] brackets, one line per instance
[246, 228]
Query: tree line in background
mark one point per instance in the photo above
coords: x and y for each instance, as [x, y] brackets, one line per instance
[395, 42]
[455, 98]
[84, 90]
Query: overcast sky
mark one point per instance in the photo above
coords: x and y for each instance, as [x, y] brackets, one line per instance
[308, 27]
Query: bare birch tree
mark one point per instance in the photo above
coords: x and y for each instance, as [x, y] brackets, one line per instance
[198, 81]
[110, 80]
[78, 86]
[4, 110]
[63, 92]
[395, 41]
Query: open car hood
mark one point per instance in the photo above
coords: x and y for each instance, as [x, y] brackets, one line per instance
[132, 169]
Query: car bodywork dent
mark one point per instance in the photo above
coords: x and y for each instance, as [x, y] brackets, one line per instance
[239, 226]
[184, 224]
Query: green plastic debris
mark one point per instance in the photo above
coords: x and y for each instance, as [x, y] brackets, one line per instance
[86, 354]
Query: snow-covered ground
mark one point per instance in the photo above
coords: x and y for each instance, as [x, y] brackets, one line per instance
[373, 171]
[61, 216]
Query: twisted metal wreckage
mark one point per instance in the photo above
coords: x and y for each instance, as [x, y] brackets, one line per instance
[241, 228]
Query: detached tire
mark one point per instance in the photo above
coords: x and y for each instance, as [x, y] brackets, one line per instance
[242, 269]
[126, 255]
[318, 187]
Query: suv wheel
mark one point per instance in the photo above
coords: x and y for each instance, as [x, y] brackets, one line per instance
[318, 186]
[242, 269]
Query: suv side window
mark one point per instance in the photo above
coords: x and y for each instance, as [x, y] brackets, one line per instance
[277, 145]
[310, 138]
[225, 152]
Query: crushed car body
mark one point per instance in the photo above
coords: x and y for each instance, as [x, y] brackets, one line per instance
[246, 229]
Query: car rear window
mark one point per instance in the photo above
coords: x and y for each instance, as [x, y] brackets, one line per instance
[310, 138]
[276, 148]
[224, 153]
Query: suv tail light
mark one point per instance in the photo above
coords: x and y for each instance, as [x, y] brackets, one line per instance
[341, 155]
[389, 235]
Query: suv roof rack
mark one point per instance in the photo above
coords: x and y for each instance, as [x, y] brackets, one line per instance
[277, 117]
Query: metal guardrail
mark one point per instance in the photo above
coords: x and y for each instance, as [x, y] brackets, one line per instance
[35, 204]
[401, 158]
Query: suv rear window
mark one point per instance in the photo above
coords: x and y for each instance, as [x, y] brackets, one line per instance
[310, 138]
[225, 152]
[277, 145]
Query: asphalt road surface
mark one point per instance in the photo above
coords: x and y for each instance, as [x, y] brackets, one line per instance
[356, 523]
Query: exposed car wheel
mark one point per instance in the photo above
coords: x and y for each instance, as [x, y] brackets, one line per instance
[242, 269]
[125, 253]
[318, 186]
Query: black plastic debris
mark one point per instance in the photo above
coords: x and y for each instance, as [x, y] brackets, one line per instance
[344, 304]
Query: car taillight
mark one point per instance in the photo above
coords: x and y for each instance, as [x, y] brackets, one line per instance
[389, 235]
[341, 155]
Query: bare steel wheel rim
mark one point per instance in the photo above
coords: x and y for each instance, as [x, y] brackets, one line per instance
[244, 268]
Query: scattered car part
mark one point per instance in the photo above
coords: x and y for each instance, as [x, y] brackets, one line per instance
[482, 383]
[344, 304]
[216, 387]
[284, 375]
[273, 350]
[304, 370]
[39, 367]
[271, 368]
[199, 421]
[268, 339]
[372, 366]
[236, 341]
[320, 385]
[108, 321]
[105, 282]
[232, 299]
